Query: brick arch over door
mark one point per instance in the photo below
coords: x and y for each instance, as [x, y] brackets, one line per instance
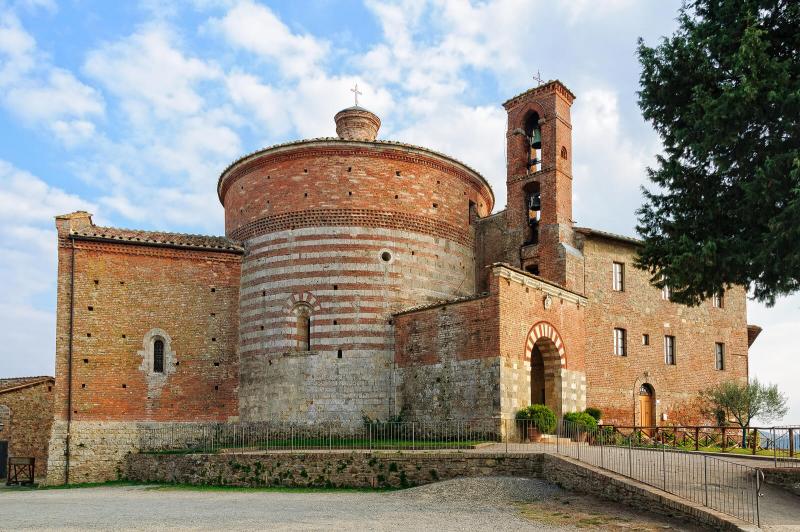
[543, 329]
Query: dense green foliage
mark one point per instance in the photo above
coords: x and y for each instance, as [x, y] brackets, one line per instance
[539, 416]
[723, 93]
[581, 419]
[744, 401]
[596, 413]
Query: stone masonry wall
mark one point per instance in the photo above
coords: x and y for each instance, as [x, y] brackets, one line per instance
[613, 381]
[27, 414]
[400, 470]
[787, 478]
[325, 469]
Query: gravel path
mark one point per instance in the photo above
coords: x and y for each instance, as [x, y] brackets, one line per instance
[462, 504]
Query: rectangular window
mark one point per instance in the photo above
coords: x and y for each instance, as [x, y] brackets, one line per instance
[718, 300]
[719, 356]
[618, 277]
[669, 350]
[645, 339]
[619, 343]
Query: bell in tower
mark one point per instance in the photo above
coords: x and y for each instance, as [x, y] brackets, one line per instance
[534, 135]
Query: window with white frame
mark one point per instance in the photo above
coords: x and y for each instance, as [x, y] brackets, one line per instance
[669, 350]
[666, 293]
[618, 277]
[620, 348]
[718, 300]
[719, 356]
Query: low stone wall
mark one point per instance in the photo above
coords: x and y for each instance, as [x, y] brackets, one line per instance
[787, 478]
[327, 469]
[394, 469]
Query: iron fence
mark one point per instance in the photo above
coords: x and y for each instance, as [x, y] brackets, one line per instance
[777, 444]
[648, 456]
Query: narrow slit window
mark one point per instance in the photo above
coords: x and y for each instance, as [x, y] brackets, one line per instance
[158, 356]
[719, 300]
[669, 350]
[619, 342]
[618, 277]
[719, 356]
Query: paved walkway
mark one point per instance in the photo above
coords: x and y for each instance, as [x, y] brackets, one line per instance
[726, 483]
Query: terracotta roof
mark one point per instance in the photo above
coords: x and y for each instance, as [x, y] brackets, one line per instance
[392, 143]
[158, 238]
[15, 383]
[752, 333]
[441, 303]
[604, 234]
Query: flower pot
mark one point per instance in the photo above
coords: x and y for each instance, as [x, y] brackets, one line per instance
[534, 435]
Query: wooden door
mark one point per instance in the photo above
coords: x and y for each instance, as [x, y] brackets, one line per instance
[647, 411]
[3, 459]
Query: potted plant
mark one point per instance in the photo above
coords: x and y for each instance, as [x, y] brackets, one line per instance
[581, 424]
[536, 420]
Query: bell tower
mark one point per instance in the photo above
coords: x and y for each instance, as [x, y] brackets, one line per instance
[539, 182]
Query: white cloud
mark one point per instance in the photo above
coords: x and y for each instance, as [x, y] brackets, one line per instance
[257, 29]
[28, 267]
[148, 69]
[59, 96]
[37, 92]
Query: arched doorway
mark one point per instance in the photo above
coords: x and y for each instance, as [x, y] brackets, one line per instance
[545, 374]
[647, 406]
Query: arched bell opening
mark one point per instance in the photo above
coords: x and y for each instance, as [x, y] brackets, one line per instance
[533, 132]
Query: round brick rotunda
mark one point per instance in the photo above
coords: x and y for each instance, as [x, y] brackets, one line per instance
[340, 233]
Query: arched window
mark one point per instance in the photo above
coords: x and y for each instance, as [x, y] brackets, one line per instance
[534, 134]
[303, 331]
[158, 355]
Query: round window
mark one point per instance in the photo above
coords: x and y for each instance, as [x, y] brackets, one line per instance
[386, 256]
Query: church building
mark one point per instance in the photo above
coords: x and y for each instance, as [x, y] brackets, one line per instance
[361, 278]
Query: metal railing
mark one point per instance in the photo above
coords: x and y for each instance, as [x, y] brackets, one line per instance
[778, 444]
[642, 455]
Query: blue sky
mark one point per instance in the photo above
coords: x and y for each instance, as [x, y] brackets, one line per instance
[131, 109]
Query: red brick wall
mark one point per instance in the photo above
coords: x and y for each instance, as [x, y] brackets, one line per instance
[342, 183]
[613, 381]
[132, 289]
[27, 428]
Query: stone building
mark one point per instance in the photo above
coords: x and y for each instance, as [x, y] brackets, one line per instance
[363, 278]
[26, 414]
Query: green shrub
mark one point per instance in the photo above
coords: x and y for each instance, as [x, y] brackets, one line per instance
[539, 416]
[594, 412]
[581, 419]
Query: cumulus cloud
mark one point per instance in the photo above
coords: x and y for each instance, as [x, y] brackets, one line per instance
[255, 28]
[148, 69]
[37, 92]
[28, 267]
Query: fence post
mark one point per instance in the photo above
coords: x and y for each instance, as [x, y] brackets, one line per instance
[291, 438]
[579, 442]
[505, 432]
[697, 438]
[754, 440]
[705, 476]
[630, 456]
[774, 448]
[558, 435]
[791, 443]
[664, 464]
[724, 440]
[413, 438]
[602, 461]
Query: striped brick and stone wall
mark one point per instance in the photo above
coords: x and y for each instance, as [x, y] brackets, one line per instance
[349, 233]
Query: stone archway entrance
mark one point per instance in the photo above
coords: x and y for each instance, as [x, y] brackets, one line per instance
[546, 374]
[545, 350]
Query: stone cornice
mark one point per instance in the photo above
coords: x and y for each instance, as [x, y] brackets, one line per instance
[524, 278]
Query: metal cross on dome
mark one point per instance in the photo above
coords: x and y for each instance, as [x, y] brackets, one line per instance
[538, 78]
[356, 92]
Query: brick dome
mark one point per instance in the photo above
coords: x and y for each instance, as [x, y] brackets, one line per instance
[356, 123]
